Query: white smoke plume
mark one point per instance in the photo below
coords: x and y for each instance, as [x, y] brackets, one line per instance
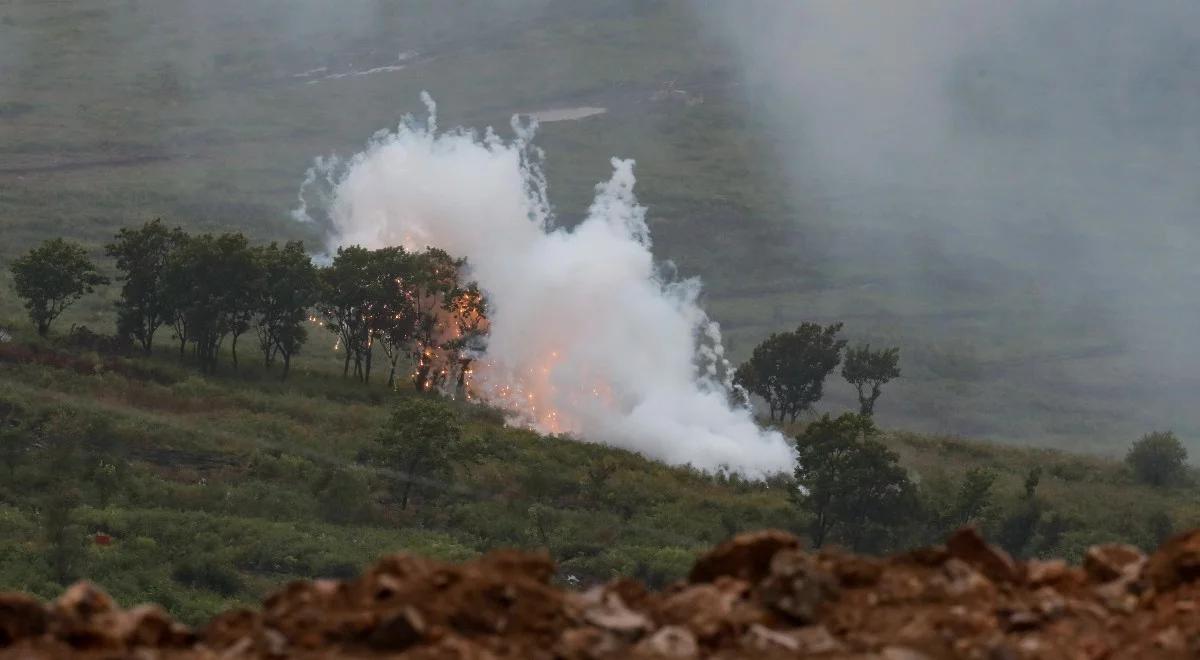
[587, 338]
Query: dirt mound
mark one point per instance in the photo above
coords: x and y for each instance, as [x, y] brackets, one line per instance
[756, 596]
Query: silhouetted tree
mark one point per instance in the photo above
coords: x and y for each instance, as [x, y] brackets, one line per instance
[288, 287]
[789, 369]
[51, 277]
[850, 484]
[346, 291]
[1157, 458]
[15, 435]
[141, 256]
[392, 315]
[210, 282]
[1020, 524]
[868, 371]
[435, 279]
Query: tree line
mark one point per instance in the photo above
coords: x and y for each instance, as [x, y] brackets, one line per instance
[788, 370]
[213, 290]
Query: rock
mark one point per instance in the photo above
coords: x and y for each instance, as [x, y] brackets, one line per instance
[1176, 562]
[145, 625]
[1039, 572]
[536, 566]
[962, 579]
[901, 653]
[966, 544]
[586, 644]
[929, 555]
[1115, 596]
[614, 616]
[853, 571]
[670, 642]
[1020, 620]
[228, 628]
[809, 640]
[762, 639]
[272, 644]
[816, 639]
[1049, 603]
[1104, 563]
[83, 600]
[1170, 639]
[745, 556]
[797, 586]
[705, 609]
[21, 617]
[399, 630]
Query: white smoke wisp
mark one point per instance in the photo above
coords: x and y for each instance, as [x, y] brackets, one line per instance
[586, 338]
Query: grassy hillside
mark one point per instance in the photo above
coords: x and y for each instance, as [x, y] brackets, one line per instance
[215, 490]
[119, 111]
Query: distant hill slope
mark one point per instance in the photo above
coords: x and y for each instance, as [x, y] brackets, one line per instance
[118, 112]
[200, 493]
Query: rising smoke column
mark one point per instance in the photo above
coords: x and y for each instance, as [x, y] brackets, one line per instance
[586, 337]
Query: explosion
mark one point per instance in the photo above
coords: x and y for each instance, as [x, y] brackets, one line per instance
[585, 336]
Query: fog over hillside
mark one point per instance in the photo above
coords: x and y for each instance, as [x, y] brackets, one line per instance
[1006, 191]
[1044, 154]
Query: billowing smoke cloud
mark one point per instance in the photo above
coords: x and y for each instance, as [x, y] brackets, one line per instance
[1026, 169]
[587, 336]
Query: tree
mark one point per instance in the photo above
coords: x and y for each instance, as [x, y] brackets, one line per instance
[789, 369]
[1157, 458]
[974, 496]
[15, 437]
[345, 293]
[850, 484]
[468, 310]
[51, 278]
[418, 442]
[392, 315]
[142, 256]
[435, 280]
[289, 286]
[1018, 527]
[211, 282]
[868, 371]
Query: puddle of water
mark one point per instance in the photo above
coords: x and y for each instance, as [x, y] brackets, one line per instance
[566, 114]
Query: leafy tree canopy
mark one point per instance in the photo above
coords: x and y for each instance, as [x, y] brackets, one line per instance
[868, 371]
[850, 484]
[418, 443]
[789, 369]
[1157, 458]
[142, 255]
[51, 277]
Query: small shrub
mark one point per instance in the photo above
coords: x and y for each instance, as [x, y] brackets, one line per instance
[1157, 459]
[208, 573]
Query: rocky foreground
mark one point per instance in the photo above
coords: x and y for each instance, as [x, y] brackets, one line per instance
[757, 596]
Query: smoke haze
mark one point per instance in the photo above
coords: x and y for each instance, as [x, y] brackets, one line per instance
[1038, 157]
[587, 336]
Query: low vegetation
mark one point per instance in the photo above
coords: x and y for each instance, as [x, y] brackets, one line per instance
[199, 492]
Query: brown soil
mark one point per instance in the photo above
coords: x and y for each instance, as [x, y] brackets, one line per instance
[757, 596]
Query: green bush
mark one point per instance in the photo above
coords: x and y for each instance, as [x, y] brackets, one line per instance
[208, 573]
[1157, 459]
